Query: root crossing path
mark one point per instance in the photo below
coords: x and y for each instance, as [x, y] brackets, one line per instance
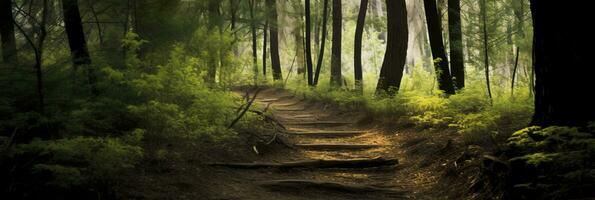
[327, 154]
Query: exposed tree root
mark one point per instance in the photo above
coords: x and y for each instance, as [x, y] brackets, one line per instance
[337, 163]
[298, 185]
[321, 146]
[328, 134]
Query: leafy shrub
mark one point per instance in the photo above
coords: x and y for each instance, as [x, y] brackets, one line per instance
[555, 159]
[81, 161]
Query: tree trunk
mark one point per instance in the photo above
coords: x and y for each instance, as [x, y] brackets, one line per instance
[214, 21]
[252, 5]
[396, 48]
[436, 43]
[323, 42]
[298, 34]
[265, 34]
[455, 36]
[77, 41]
[359, 32]
[563, 67]
[9, 45]
[308, 43]
[275, 60]
[336, 48]
[486, 55]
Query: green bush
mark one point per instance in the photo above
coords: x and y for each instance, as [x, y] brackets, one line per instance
[554, 159]
[80, 161]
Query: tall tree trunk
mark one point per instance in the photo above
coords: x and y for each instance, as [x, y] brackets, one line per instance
[396, 47]
[486, 56]
[265, 33]
[323, 42]
[275, 60]
[455, 36]
[563, 65]
[298, 34]
[9, 45]
[252, 5]
[77, 41]
[436, 43]
[308, 43]
[214, 22]
[359, 32]
[336, 48]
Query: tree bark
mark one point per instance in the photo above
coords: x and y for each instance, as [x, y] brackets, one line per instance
[308, 44]
[396, 48]
[323, 42]
[563, 65]
[252, 5]
[9, 45]
[336, 48]
[274, 31]
[77, 41]
[359, 32]
[457, 63]
[265, 34]
[436, 43]
[486, 55]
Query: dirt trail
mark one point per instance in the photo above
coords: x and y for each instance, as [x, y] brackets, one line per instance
[335, 157]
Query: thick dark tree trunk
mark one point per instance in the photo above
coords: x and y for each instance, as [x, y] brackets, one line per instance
[563, 67]
[308, 44]
[9, 45]
[77, 41]
[359, 32]
[396, 48]
[336, 48]
[436, 43]
[455, 36]
[323, 42]
[275, 60]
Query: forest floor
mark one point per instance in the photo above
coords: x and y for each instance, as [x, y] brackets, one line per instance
[355, 157]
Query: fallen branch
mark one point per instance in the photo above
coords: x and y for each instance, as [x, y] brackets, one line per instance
[338, 163]
[237, 119]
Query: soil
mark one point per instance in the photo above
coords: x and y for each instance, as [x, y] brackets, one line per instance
[431, 165]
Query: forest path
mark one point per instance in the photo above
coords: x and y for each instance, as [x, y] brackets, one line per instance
[333, 155]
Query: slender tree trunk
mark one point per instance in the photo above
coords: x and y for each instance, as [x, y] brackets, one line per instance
[396, 48]
[254, 40]
[308, 43]
[77, 41]
[265, 34]
[436, 43]
[457, 63]
[514, 69]
[275, 60]
[563, 64]
[323, 42]
[359, 32]
[486, 55]
[336, 48]
[9, 45]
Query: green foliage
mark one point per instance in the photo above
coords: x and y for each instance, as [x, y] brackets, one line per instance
[81, 160]
[558, 159]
